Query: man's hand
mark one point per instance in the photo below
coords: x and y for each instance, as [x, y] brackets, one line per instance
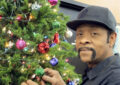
[53, 77]
[30, 82]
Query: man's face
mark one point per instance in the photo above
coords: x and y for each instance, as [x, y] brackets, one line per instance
[91, 42]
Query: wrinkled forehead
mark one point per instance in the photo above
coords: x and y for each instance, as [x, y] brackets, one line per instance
[90, 27]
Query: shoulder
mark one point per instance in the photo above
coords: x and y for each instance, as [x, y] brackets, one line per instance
[114, 78]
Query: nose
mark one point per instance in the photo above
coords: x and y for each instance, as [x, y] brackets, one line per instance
[85, 40]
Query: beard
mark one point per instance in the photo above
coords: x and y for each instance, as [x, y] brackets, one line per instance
[93, 56]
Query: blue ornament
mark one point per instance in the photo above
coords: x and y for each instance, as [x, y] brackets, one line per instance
[45, 37]
[26, 49]
[54, 61]
[71, 83]
[6, 50]
[53, 44]
[65, 40]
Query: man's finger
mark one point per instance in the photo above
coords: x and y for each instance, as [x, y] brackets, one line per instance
[42, 82]
[24, 83]
[48, 79]
[49, 71]
[30, 82]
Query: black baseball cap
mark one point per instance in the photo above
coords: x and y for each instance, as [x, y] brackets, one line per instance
[94, 14]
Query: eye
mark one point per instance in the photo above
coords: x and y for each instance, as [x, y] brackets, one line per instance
[95, 33]
[79, 34]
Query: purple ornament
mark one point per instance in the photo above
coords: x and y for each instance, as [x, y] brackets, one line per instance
[54, 61]
[53, 44]
[53, 2]
[71, 83]
[21, 44]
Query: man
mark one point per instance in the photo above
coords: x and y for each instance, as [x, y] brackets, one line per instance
[95, 39]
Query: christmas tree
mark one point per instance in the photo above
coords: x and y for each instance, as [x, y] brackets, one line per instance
[31, 39]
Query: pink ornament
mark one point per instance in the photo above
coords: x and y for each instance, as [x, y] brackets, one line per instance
[19, 18]
[21, 44]
[53, 2]
[0, 17]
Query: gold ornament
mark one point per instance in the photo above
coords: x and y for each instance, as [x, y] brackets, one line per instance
[6, 44]
[4, 29]
[23, 69]
[30, 4]
[31, 17]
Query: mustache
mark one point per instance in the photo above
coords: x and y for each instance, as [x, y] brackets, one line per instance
[88, 48]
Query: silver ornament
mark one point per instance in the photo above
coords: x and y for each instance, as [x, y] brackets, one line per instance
[68, 33]
[35, 6]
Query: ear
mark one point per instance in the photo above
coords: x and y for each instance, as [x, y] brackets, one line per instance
[112, 39]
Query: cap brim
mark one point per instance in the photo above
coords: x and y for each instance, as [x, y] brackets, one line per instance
[75, 23]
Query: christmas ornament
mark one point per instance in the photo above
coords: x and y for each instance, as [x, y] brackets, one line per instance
[9, 32]
[39, 72]
[4, 29]
[43, 47]
[26, 49]
[0, 17]
[45, 37]
[30, 4]
[31, 17]
[33, 76]
[65, 40]
[53, 44]
[38, 78]
[67, 60]
[53, 2]
[29, 66]
[6, 44]
[21, 44]
[54, 10]
[54, 61]
[71, 83]
[10, 44]
[56, 24]
[19, 18]
[32, 50]
[68, 34]
[56, 38]
[77, 81]
[23, 69]
[23, 62]
[47, 40]
[47, 56]
[36, 6]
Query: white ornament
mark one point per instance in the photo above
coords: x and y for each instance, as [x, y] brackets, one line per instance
[11, 44]
[68, 33]
[36, 6]
[4, 29]
[9, 32]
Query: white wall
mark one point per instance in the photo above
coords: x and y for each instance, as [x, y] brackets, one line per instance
[117, 44]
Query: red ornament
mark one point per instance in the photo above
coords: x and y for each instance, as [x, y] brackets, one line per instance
[43, 47]
[67, 60]
[21, 44]
[19, 18]
[47, 40]
[56, 38]
[38, 78]
[0, 17]
[29, 66]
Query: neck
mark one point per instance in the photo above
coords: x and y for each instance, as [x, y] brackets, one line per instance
[93, 63]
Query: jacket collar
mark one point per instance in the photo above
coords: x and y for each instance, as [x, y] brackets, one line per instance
[101, 67]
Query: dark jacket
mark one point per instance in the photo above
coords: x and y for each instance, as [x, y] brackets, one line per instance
[106, 72]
